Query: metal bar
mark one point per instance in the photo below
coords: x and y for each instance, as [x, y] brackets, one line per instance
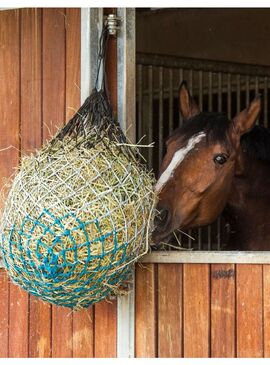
[140, 104]
[126, 72]
[126, 113]
[181, 78]
[256, 85]
[201, 90]
[150, 115]
[190, 81]
[238, 93]
[247, 90]
[265, 100]
[190, 86]
[210, 96]
[201, 108]
[229, 101]
[219, 92]
[208, 257]
[196, 89]
[160, 116]
[199, 64]
[91, 26]
[219, 110]
[170, 101]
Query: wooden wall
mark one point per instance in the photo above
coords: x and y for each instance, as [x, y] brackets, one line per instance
[39, 90]
[185, 310]
[203, 310]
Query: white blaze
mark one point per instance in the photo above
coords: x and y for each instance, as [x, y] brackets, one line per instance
[178, 157]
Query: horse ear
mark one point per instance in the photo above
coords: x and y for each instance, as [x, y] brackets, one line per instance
[245, 120]
[187, 104]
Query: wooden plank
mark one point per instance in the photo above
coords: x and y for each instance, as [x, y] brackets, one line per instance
[53, 61]
[145, 312]
[30, 85]
[9, 136]
[207, 257]
[39, 328]
[83, 320]
[105, 329]
[54, 89]
[18, 322]
[31, 103]
[83, 333]
[223, 310]
[9, 92]
[4, 312]
[266, 309]
[169, 310]
[31, 129]
[196, 286]
[61, 332]
[73, 61]
[249, 311]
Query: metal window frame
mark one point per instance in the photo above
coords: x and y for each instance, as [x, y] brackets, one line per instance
[91, 26]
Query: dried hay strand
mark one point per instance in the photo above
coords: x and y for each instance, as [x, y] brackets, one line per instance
[78, 215]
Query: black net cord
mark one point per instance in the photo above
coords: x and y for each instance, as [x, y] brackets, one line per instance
[96, 110]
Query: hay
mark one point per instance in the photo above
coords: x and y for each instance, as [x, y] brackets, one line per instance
[76, 219]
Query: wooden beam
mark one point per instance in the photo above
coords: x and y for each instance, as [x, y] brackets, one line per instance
[210, 257]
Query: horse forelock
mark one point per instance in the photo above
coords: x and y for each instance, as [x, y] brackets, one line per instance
[214, 125]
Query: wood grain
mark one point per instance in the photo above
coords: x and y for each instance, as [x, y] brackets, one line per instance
[53, 61]
[83, 333]
[62, 336]
[266, 309]
[4, 312]
[196, 310]
[30, 108]
[223, 310]
[32, 75]
[39, 328]
[31, 83]
[9, 158]
[169, 310]
[145, 312]
[249, 311]
[73, 61]
[83, 320]
[105, 329]
[18, 322]
[54, 90]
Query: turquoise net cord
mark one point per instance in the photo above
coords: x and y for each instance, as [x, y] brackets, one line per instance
[48, 275]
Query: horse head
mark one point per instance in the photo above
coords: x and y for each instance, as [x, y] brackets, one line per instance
[202, 157]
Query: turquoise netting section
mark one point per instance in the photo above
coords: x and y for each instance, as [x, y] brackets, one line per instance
[57, 272]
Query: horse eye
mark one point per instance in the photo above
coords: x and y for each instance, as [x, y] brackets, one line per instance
[220, 159]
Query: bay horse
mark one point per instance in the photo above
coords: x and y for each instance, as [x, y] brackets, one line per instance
[214, 165]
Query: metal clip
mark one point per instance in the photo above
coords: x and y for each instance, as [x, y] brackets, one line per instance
[114, 23]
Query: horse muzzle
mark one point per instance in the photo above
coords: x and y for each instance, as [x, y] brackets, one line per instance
[162, 223]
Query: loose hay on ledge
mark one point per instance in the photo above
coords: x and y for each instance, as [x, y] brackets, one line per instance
[77, 216]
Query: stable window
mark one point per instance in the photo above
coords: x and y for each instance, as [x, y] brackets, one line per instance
[224, 70]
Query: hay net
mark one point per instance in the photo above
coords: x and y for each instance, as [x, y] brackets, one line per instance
[79, 211]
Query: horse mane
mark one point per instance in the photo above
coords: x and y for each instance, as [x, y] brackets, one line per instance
[256, 143]
[214, 125]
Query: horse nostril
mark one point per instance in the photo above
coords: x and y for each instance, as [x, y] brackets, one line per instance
[162, 218]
